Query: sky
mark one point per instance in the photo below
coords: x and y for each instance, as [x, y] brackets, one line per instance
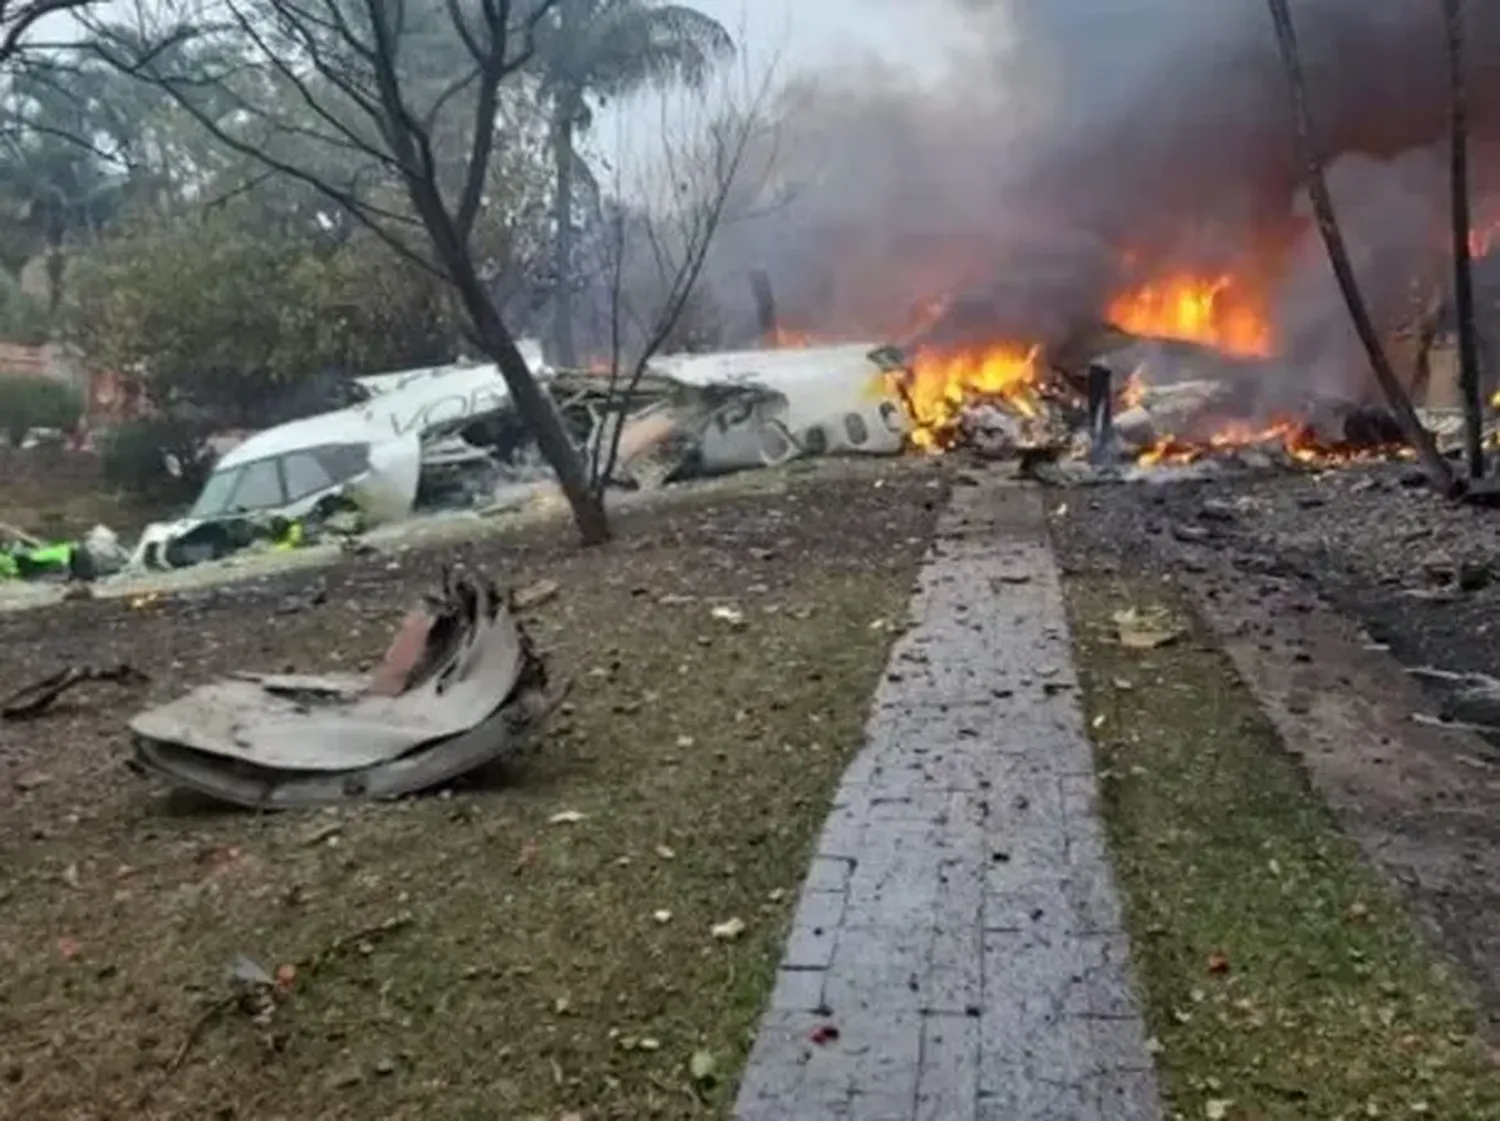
[829, 33]
[784, 40]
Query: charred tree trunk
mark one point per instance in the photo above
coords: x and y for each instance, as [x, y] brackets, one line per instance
[1463, 273]
[564, 352]
[1439, 474]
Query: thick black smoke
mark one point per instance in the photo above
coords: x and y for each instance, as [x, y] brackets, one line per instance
[1073, 141]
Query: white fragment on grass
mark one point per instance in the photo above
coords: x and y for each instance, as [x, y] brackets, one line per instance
[728, 930]
[566, 817]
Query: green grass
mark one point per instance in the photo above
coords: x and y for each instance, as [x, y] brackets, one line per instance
[1282, 980]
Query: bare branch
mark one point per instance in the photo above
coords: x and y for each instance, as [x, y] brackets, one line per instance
[16, 20]
[704, 176]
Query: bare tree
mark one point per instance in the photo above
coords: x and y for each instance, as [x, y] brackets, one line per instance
[391, 111]
[18, 19]
[708, 170]
[1439, 474]
[1463, 274]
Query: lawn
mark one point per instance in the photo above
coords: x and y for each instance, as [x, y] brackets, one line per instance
[589, 932]
[1283, 980]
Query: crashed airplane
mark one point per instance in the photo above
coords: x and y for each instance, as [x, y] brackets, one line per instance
[448, 437]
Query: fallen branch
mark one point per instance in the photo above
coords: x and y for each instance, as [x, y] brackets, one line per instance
[236, 999]
[32, 700]
[19, 536]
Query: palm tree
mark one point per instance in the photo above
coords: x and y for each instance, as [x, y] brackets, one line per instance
[593, 50]
[60, 173]
[1463, 276]
[1438, 472]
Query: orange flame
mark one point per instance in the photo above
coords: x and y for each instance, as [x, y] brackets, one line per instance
[939, 382]
[787, 338]
[1217, 313]
[1293, 437]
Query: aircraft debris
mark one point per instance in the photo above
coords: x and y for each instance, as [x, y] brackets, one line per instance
[449, 439]
[458, 688]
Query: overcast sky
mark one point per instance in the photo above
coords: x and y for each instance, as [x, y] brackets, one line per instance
[789, 39]
[828, 33]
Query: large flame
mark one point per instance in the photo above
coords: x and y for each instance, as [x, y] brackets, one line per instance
[1217, 312]
[940, 381]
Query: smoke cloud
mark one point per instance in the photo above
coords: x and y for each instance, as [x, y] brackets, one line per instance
[1074, 144]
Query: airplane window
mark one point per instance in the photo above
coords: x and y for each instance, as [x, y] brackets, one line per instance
[260, 487]
[856, 429]
[305, 475]
[343, 462]
[213, 499]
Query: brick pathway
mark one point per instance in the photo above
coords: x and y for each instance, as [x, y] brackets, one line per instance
[959, 927]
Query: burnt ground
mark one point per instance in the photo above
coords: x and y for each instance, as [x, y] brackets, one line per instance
[1279, 563]
[536, 942]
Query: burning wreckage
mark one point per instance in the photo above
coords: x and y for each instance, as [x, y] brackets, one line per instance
[448, 438]
[1173, 384]
[1106, 405]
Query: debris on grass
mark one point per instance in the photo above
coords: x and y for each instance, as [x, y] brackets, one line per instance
[729, 930]
[702, 1067]
[566, 817]
[1146, 628]
[458, 687]
[1333, 1005]
[534, 595]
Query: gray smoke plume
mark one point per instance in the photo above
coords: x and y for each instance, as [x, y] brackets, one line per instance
[1076, 143]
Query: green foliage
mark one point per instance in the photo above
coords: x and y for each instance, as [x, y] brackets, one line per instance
[23, 318]
[28, 402]
[133, 458]
[220, 312]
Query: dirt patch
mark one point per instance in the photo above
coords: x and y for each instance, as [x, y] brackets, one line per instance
[537, 941]
[1274, 553]
[1283, 979]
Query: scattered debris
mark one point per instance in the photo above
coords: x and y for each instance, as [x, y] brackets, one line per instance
[34, 699]
[459, 686]
[534, 595]
[1148, 629]
[729, 930]
[566, 817]
[703, 1067]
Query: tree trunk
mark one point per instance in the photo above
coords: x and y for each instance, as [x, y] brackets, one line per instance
[1463, 275]
[1439, 475]
[536, 410]
[563, 352]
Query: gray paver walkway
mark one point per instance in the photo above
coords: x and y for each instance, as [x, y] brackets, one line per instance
[959, 926]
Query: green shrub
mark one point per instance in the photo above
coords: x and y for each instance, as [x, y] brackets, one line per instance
[133, 457]
[30, 402]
